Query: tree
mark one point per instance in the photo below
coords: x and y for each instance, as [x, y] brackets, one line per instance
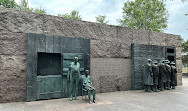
[40, 11]
[8, 3]
[73, 15]
[25, 7]
[185, 51]
[101, 19]
[145, 14]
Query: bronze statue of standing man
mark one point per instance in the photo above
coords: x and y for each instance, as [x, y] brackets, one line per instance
[168, 74]
[148, 76]
[162, 77]
[174, 75]
[73, 78]
[155, 70]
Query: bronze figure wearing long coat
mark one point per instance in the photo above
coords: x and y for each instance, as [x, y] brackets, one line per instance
[155, 70]
[148, 76]
[162, 77]
[174, 75]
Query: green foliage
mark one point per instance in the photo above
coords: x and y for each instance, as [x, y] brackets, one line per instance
[185, 50]
[185, 46]
[24, 6]
[145, 14]
[73, 15]
[8, 3]
[185, 59]
[101, 19]
[40, 11]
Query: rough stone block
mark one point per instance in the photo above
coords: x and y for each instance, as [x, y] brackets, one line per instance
[13, 43]
[110, 66]
[12, 94]
[157, 38]
[179, 66]
[173, 40]
[15, 64]
[141, 36]
[111, 49]
[111, 74]
[179, 78]
[125, 35]
[102, 31]
[13, 78]
[20, 21]
[75, 28]
[178, 52]
[110, 83]
[54, 25]
[96, 83]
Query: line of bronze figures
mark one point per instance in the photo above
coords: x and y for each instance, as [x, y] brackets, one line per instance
[159, 76]
[74, 77]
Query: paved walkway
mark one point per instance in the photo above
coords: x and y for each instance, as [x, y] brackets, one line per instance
[173, 100]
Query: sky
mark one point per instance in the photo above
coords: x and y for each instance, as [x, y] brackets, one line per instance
[89, 9]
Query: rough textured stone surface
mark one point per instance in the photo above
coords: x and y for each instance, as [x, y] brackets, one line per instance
[20, 21]
[107, 42]
[110, 49]
[157, 38]
[141, 36]
[13, 43]
[110, 66]
[179, 66]
[111, 74]
[173, 40]
[178, 52]
[110, 83]
[13, 78]
[179, 78]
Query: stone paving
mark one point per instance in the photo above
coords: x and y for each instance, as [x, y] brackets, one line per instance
[173, 100]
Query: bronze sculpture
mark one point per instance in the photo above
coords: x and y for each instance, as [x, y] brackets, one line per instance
[168, 74]
[162, 77]
[87, 86]
[73, 78]
[148, 76]
[174, 75]
[155, 70]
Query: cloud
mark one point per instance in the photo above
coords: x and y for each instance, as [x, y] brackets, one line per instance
[177, 22]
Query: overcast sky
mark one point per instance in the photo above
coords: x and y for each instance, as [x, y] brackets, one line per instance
[89, 9]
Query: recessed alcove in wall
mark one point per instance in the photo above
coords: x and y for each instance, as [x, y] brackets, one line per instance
[48, 64]
[170, 50]
[140, 54]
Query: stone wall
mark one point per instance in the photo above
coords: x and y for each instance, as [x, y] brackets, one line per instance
[110, 49]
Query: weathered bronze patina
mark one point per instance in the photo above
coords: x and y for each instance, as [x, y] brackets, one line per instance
[168, 74]
[73, 77]
[87, 86]
[148, 76]
[174, 75]
[162, 77]
[155, 70]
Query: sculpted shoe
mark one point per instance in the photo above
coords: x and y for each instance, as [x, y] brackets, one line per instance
[161, 89]
[90, 102]
[77, 98]
[173, 87]
[70, 99]
[93, 101]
